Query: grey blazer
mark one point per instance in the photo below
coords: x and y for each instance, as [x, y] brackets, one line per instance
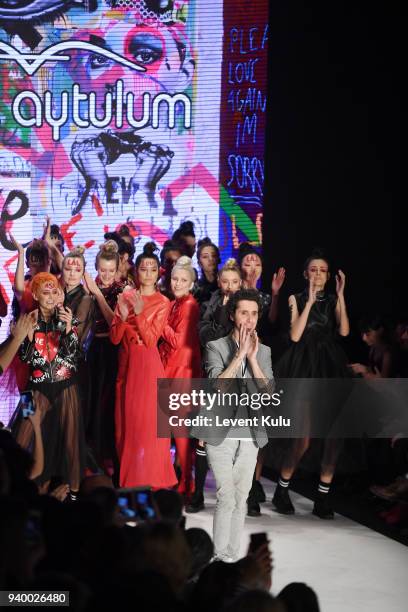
[218, 356]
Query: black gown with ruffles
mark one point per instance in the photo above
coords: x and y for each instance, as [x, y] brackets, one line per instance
[318, 353]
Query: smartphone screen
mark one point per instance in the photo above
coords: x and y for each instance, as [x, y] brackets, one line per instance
[125, 510]
[26, 403]
[136, 504]
[145, 507]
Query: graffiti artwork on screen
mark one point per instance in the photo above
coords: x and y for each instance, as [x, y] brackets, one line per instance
[110, 112]
[243, 110]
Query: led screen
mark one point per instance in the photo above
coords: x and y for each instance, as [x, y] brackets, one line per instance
[148, 112]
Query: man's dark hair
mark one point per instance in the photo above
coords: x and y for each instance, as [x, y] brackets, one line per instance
[243, 294]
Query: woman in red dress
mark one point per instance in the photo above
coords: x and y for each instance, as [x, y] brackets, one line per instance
[180, 349]
[137, 325]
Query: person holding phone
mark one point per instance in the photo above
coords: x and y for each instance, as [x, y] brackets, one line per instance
[52, 351]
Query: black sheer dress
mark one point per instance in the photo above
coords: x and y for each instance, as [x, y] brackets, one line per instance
[103, 368]
[53, 357]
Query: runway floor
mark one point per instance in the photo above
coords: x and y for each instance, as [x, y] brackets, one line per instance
[352, 568]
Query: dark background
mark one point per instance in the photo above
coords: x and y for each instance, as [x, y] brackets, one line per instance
[335, 155]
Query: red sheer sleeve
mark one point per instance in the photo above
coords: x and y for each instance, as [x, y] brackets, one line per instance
[118, 328]
[150, 326]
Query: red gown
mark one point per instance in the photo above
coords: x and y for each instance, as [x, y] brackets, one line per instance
[181, 357]
[180, 349]
[145, 459]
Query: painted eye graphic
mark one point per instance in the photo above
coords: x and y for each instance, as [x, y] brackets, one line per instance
[39, 10]
[145, 55]
[146, 48]
[99, 61]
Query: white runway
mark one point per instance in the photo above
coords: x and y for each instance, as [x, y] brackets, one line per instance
[350, 567]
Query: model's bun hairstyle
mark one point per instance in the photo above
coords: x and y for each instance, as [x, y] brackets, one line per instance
[149, 252]
[109, 251]
[41, 279]
[317, 253]
[245, 248]
[185, 229]
[150, 249]
[109, 247]
[124, 230]
[170, 245]
[207, 242]
[76, 252]
[231, 265]
[185, 263]
[124, 246]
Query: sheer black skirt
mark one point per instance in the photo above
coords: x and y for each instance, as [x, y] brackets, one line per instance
[61, 429]
[102, 359]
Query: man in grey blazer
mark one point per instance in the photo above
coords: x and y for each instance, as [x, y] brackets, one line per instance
[232, 453]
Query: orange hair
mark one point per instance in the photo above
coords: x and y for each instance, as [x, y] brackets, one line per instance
[40, 279]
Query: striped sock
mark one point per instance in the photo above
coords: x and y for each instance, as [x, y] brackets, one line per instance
[200, 471]
[324, 487]
[201, 451]
[283, 483]
[73, 496]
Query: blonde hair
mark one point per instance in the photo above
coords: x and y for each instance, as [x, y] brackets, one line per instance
[109, 251]
[231, 265]
[185, 263]
[78, 253]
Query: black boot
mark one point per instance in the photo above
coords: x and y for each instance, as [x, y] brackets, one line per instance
[196, 503]
[201, 468]
[258, 492]
[322, 507]
[281, 500]
[254, 508]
